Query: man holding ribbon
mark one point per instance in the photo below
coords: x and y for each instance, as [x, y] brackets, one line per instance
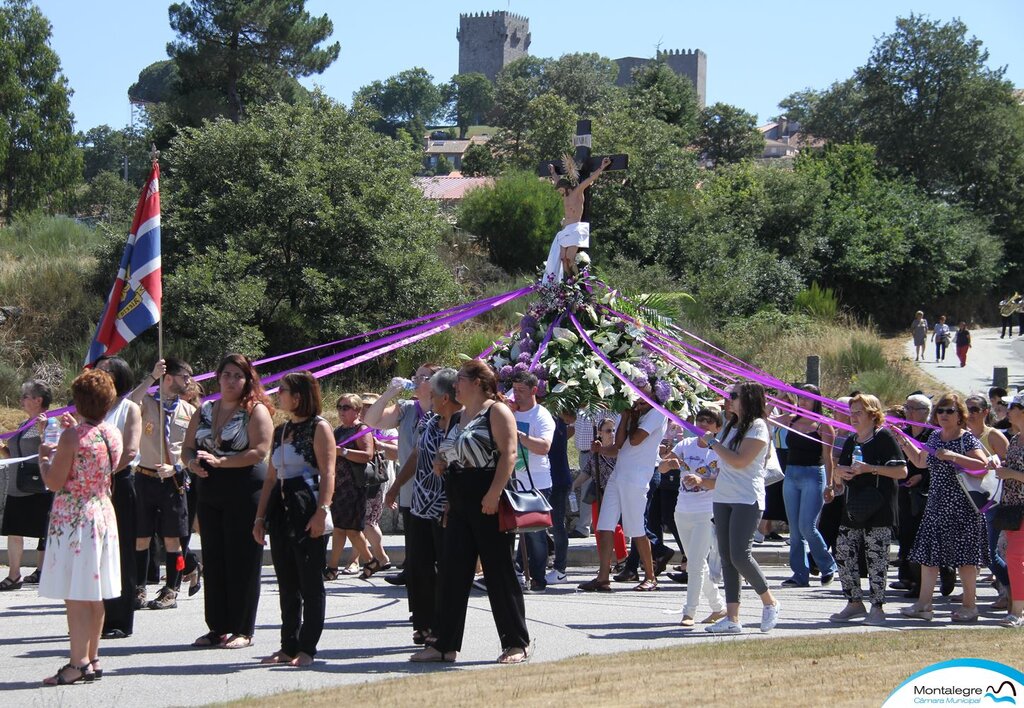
[161, 480]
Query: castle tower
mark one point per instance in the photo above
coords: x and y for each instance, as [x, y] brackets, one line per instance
[693, 64]
[488, 41]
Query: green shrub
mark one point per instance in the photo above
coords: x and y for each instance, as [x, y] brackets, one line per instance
[817, 302]
[863, 354]
[889, 384]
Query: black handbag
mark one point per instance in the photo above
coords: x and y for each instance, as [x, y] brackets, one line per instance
[522, 509]
[862, 503]
[29, 479]
[1007, 518]
[372, 474]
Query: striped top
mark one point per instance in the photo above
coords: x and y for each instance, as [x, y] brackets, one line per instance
[474, 445]
[428, 498]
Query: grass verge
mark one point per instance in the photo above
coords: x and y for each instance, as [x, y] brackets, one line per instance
[846, 670]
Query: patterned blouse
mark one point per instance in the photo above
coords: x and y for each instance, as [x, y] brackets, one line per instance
[1013, 489]
[295, 457]
[234, 436]
[428, 498]
[475, 447]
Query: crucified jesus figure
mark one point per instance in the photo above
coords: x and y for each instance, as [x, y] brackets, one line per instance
[575, 234]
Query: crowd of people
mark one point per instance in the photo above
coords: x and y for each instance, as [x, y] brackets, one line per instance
[141, 467]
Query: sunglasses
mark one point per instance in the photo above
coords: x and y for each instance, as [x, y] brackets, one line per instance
[1017, 406]
[974, 409]
[420, 379]
[346, 407]
[945, 411]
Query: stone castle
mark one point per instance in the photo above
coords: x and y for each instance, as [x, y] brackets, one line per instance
[489, 41]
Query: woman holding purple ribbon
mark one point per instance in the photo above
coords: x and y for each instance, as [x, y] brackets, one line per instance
[1012, 476]
[26, 511]
[355, 449]
[952, 532]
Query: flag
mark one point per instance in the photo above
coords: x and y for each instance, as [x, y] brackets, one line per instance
[134, 302]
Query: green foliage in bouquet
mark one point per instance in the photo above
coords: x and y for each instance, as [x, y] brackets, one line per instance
[572, 376]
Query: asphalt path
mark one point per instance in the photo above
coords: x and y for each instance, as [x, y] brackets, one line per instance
[367, 638]
[987, 351]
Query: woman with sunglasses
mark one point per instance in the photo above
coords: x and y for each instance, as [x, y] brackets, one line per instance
[26, 512]
[742, 450]
[599, 468]
[355, 448]
[870, 512]
[913, 495]
[1012, 475]
[995, 443]
[952, 532]
[226, 446]
[293, 507]
[477, 468]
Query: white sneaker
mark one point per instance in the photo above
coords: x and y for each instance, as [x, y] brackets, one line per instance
[554, 577]
[725, 626]
[770, 616]
[1012, 622]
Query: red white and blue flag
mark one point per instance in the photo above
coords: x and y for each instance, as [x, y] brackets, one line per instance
[134, 302]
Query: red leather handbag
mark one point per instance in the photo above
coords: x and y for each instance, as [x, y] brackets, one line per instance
[522, 510]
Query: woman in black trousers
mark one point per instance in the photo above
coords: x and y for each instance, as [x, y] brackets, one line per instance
[126, 416]
[479, 466]
[226, 446]
[301, 473]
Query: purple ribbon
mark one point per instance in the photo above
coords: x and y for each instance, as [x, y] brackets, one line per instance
[547, 340]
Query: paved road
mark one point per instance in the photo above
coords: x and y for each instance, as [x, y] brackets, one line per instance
[367, 638]
[987, 352]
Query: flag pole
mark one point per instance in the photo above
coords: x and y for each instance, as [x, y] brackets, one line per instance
[154, 155]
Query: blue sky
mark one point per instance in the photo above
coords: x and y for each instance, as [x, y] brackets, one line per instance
[758, 52]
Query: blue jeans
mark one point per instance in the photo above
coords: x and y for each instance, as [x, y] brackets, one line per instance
[537, 543]
[802, 491]
[997, 563]
[559, 498]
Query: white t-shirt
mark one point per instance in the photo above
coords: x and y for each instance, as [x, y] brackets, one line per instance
[700, 461]
[635, 463]
[537, 423]
[743, 485]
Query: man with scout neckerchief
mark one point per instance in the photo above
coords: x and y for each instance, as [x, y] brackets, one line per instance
[160, 479]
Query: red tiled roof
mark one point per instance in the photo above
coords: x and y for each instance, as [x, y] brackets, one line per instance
[450, 187]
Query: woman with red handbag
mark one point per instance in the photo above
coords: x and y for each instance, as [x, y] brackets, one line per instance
[477, 468]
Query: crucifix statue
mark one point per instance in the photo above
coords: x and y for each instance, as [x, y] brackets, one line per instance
[572, 177]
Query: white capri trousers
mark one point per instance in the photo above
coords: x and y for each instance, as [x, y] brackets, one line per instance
[626, 501]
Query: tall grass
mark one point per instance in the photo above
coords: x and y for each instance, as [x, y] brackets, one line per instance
[816, 301]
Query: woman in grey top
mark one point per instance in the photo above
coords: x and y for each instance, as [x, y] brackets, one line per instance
[25, 513]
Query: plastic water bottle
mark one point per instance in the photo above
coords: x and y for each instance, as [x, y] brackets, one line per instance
[406, 384]
[51, 436]
[858, 456]
[574, 505]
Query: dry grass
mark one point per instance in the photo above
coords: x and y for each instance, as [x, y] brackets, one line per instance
[846, 670]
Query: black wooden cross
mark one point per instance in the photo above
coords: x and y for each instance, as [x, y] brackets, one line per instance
[587, 163]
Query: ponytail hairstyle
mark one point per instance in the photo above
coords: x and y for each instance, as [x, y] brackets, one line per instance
[484, 374]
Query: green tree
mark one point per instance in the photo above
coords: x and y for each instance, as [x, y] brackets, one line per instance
[728, 134]
[516, 217]
[444, 166]
[340, 239]
[104, 150]
[39, 164]
[799, 105]
[470, 97]
[665, 95]
[478, 161]
[108, 198]
[238, 49]
[585, 81]
[409, 100]
[519, 83]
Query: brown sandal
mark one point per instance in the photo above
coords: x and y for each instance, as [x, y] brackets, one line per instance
[515, 655]
[595, 585]
[647, 585]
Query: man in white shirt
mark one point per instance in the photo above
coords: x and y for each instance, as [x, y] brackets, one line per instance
[536, 430]
[637, 440]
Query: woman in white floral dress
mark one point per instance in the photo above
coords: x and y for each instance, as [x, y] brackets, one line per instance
[82, 560]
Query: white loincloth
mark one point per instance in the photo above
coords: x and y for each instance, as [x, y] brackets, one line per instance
[576, 234]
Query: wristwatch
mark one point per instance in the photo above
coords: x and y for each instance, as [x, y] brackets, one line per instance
[325, 507]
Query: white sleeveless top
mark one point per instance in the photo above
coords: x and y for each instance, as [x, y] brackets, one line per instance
[117, 417]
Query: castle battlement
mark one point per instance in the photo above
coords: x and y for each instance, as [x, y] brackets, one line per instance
[495, 13]
[489, 41]
[679, 52]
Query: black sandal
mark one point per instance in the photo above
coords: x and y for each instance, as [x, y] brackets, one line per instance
[32, 578]
[97, 674]
[330, 574]
[8, 584]
[58, 678]
[370, 568]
